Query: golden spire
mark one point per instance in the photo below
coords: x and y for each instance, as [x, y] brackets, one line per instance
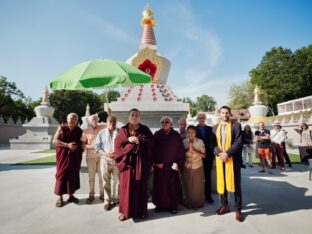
[45, 98]
[148, 16]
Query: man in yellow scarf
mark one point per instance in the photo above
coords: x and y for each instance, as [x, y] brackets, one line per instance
[227, 148]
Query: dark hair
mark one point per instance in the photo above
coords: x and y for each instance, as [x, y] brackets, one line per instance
[191, 127]
[134, 110]
[227, 108]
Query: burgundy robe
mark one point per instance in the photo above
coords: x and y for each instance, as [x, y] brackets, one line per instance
[168, 149]
[68, 162]
[134, 163]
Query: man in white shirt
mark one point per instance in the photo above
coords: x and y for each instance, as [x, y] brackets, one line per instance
[104, 146]
[277, 136]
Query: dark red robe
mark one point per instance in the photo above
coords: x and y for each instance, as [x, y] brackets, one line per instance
[168, 149]
[134, 163]
[68, 162]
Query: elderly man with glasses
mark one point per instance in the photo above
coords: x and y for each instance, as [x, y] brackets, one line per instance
[168, 159]
[204, 133]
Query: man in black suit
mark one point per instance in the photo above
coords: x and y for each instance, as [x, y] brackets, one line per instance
[204, 132]
[224, 150]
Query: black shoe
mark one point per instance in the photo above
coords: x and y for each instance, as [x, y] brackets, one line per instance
[243, 166]
[290, 165]
[262, 171]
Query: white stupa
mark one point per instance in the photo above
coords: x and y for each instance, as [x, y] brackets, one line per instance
[40, 130]
[156, 99]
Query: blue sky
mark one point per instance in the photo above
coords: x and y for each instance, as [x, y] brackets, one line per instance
[211, 44]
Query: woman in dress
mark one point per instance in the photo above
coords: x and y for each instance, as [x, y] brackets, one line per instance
[193, 176]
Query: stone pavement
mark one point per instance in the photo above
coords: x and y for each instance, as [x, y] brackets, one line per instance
[279, 203]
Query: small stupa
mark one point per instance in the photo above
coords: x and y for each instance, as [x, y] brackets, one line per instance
[40, 129]
[257, 111]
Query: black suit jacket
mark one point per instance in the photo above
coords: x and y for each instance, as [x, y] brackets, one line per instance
[236, 143]
[208, 141]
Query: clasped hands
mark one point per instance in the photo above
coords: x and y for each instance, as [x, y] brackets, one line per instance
[133, 139]
[72, 146]
[223, 156]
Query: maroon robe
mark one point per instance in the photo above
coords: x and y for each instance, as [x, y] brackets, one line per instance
[168, 149]
[134, 163]
[68, 162]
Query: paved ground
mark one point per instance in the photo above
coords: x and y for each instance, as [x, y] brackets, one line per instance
[281, 203]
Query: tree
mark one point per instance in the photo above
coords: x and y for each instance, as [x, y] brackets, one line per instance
[191, 104]
[241, 96]
[13, 102]
[111, 95]
[284, 75]
[205, 103]
[67, 101]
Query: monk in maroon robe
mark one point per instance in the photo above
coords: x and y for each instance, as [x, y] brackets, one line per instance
[168, 158]
[133, 156]
[68, 159]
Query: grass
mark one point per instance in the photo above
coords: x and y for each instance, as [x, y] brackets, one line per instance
[50, 160]
[294, 158]
[44, 151]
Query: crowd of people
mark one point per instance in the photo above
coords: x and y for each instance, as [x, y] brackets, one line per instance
[178, 162]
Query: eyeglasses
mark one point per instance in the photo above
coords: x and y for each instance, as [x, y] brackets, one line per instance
[165, 122]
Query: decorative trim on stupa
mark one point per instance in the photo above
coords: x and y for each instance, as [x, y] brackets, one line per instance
[148, 61]
[148, 22]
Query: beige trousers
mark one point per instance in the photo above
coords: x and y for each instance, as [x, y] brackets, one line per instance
[93, 168]
[110, 172]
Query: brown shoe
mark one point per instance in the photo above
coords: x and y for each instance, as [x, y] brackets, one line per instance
[223, 210]
[102, 198]
[107, 207]
[239, 216]
[90, 200]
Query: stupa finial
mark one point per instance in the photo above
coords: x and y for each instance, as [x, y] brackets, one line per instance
[45, 98]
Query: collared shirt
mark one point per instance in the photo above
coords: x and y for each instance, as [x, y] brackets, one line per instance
[89, 136]
[105, 143]
[277, 136]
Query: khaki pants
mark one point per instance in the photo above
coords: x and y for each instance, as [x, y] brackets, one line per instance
[93, 168]
[109, 171]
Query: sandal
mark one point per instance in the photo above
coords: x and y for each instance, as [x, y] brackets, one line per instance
[73, 199]
[59, 202]
[122, 217]
[90, 200]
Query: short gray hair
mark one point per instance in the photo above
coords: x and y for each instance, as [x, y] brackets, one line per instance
[92, 116]
[201, 114]
[181, 120]
[72, 114]
[166, 117]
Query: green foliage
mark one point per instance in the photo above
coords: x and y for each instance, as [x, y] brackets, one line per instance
[111, 95]
[13, 102]
[241, 95]
[284, 75]
[203, 103]
[67, 101]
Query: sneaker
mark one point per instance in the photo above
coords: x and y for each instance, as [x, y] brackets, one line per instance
[282, 168]
[270, 172]
[250, 165]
